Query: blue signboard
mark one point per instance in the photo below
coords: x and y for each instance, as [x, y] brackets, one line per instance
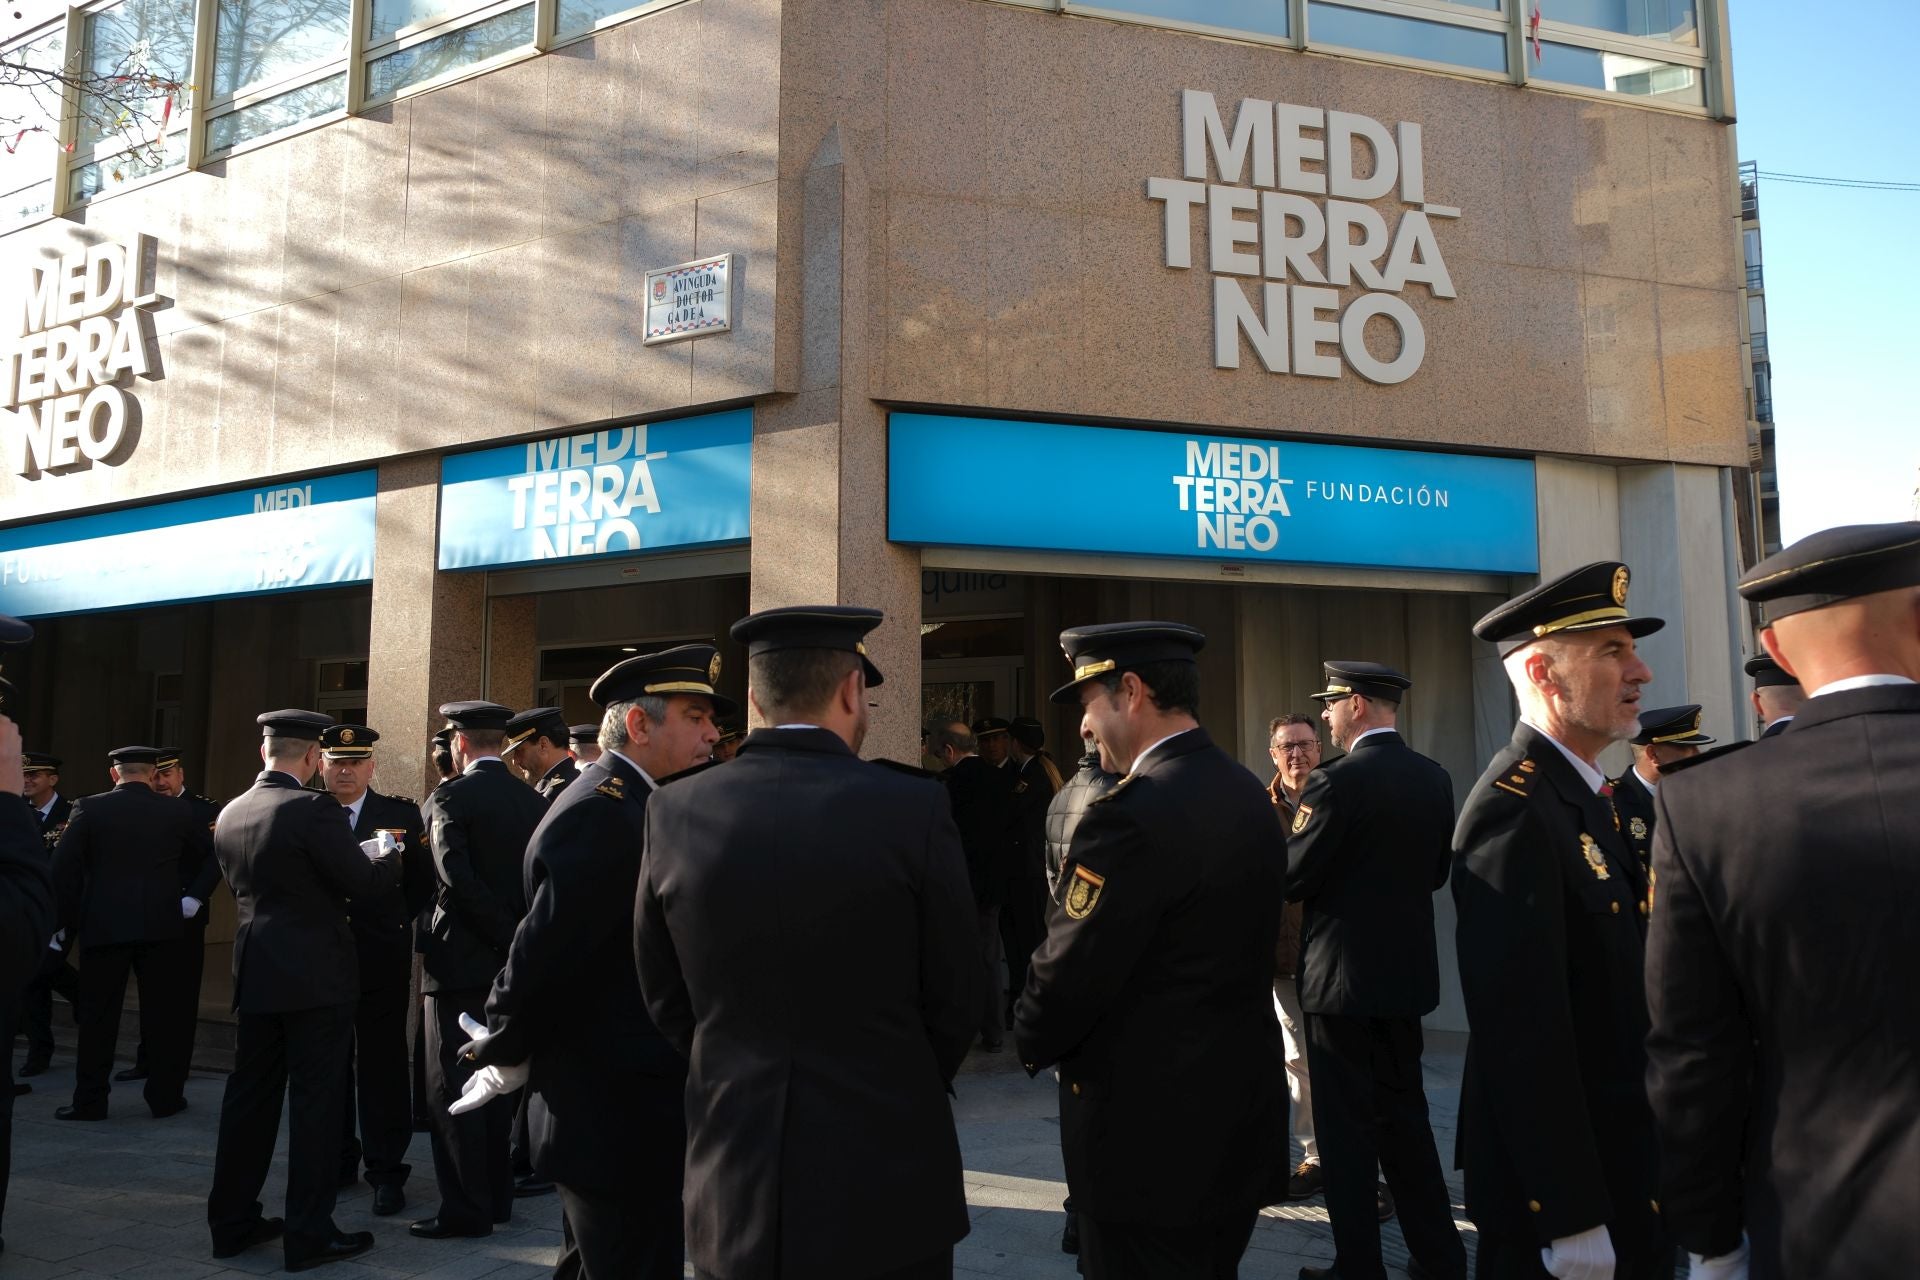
[1056, 486]
[283, 537]
[645, 487]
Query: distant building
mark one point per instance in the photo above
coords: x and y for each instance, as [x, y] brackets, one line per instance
[1760, 531]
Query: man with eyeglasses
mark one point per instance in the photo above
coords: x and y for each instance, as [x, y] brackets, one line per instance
[1294, 748]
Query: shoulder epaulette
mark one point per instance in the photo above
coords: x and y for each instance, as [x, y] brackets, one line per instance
[1118, 787]
[1519, 779]
[406, 800]
[613, 788]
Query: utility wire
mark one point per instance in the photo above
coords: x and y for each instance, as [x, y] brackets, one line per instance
[1855, 184]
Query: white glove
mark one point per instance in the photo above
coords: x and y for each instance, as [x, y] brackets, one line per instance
[1587, 1256]
[1728, 1266]
[53, 943]
[488, 1082]
[189, 907]
[382, 844]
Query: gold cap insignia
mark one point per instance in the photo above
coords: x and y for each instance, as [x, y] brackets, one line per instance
[1083, 893]
[1620, 586]
[1300, 817]
[1595, 858]
[346, 737]
[713, 669]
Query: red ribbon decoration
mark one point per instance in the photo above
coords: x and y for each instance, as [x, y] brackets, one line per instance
[1533, 32]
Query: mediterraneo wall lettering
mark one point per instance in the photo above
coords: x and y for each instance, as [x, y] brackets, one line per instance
[1288, 207]
[76, 330]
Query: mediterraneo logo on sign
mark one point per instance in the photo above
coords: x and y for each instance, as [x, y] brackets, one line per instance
[1201, 496]
[641, 487]
[1292, 210]
[75, 330]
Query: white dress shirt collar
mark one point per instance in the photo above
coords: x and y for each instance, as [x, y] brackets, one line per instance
[1858, 682]
[1588, 774]
[1653, 788]
[645, 776]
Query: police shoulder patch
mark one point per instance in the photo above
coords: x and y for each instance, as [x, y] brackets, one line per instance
[1518, 779]
[1300, 817]
[1083, 893]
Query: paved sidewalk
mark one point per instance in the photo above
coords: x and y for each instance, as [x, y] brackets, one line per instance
[127, 1197]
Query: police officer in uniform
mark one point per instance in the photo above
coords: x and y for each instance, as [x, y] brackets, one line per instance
[1555, 1135]
[728, 744]
[1776, 694]
[118, 872]
[1153, 990]
[383, 943]
[1369, 846]
[478, 825]
[536, 748]
[26, 893]
[805, 937]
[605, 1089]
[1667, 736]
[1782, 950]
[40, 776]
[185, 965]
[291, 860]
[584, 741]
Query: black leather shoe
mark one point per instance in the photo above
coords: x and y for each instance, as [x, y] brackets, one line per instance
[21, 1090]
[434, 1229]
[345, 1244]
[1319, 1273]
[1305, 1182]
[76, 1113]
[1383, 1201]
[130, 1073]
[166, 1109]
[388, 1199]
[1070, 1234]
[531, 1184]
[32, 1067]
[263, 1230]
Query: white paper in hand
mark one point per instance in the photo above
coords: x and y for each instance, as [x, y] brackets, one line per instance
[382, 843]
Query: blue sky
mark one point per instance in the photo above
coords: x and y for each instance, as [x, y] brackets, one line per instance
[1822, 90]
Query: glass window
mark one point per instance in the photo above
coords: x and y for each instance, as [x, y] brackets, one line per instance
[1620, 73]
[1406, 37]
[276, 113]
[387, 18]
[1654, 19]
[422, 62]
[260, 41]
[96, 176]
[144, 48]
[1267, 17]
[30, 118]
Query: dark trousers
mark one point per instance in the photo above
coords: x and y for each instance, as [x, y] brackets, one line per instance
[519, 1145]
[471, 1152]
[177, 976]
[993, 1018]
[619, 1235]
[936, 1266]
[36, 1013]
[1023, 926]
[9, 1016]
[103, 991]
[300, 1057]
[1370, 1112]
[381, 1084]
[1111, 1250]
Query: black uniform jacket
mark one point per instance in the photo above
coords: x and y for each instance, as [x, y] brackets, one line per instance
[1154, 993]
[984, 813]
[1784, 1065]
[805, 934]
[198, 882]
[383, 922]
[1032, 793]
[120, 863]
[607, 1108]
[292, 862]
[26, 896]
[1555, 1134]
[1635, 803]
[479, 824]
[1372, 839]
[557, 779]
